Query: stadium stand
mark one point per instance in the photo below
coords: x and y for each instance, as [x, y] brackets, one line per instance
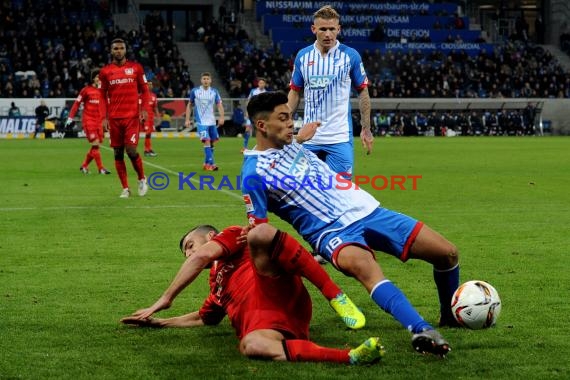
[415, 50]
[43, 58]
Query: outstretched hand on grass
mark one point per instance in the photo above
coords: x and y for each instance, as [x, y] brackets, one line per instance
[135, 321]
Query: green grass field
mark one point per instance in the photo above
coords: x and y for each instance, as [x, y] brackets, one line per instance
[74, 259]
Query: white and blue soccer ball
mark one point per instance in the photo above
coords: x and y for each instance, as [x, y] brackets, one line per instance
[476, 305]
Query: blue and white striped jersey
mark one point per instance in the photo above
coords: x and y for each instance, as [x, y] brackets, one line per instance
[294, 184]
[255, 91]
[204, 102]
[326, 81]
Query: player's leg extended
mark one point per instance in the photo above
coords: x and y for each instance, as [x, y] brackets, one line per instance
[274, 251]
[360, 263]
[246, 135]
[119, 153]
[444, 256]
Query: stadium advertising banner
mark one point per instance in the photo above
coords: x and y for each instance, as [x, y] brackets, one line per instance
[264, 7]
[471, 48]
[271, 21]
[364, 34]
[171, 116]
[25, 125]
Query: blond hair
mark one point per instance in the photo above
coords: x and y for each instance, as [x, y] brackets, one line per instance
[327, 12]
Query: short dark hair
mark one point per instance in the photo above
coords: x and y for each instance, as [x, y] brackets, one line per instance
[205, 74]
[260, 106]
[94, 73]
[118, 41]
[202, 228]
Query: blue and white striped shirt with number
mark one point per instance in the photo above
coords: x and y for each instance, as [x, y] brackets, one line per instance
[294, 184]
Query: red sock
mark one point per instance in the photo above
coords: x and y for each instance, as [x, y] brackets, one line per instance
[88, 158]
[295, 259]
[147, 146]
[298, 350]
[138, 166]
[122, 173]
[96, 154]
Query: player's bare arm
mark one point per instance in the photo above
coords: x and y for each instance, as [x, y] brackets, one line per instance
[188, 320]
[365, 133]
[196, 261]
[222, 119]
[188, 115]
[307, 131]
[293, 100]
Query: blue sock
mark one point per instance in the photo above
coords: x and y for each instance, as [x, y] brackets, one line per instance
[245, 139]
[447, 281]
[394, 302]
[209, 156]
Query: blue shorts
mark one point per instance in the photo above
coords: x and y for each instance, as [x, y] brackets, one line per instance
[383, 230]
[208, 133]
[339, 157]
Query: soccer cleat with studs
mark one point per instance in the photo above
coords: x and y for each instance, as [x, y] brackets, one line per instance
[430, 342]
[348, 312]
[368, 352]
[210, 167]
[143, 187]
[104, 171]
[84, 170]
[125, 193]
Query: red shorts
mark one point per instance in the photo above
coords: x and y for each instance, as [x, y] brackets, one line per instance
[94, 134]
[147, 126]
[124, 132]
[280, 303]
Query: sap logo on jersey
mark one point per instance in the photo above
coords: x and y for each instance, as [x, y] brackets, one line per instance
[300, 166]
[319, 82]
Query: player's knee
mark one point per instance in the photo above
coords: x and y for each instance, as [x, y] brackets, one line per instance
[261, 236]
[252, 347]
[119, 154]
[356, 262]
[448, 257]
[452, 255]
[132, 152]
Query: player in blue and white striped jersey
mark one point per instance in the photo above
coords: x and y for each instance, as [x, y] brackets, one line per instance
[202, 100]
[326, 72]
[261, 88]
[342, 223]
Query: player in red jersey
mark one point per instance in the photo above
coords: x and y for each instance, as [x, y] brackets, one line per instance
[265, 300]
[122, 84]
[90, 97]
[148, 125]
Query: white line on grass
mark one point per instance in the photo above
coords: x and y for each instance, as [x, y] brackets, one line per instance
[5, 209]
[170, 171]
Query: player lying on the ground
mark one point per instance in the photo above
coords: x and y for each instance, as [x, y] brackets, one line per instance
[265, 300]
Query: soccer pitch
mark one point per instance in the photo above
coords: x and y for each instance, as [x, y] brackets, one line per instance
[74, 259]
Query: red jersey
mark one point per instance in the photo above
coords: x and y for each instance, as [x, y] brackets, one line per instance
[92, 106]
[250, 300]
[231, 279]
[122, 86]
[150, 107]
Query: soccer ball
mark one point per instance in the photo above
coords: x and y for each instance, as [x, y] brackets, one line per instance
[476, 305]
